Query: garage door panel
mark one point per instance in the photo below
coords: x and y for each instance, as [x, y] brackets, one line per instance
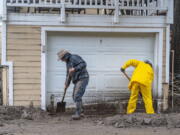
[115, 65]
[114, 82]
[129, 44]
[63, 40]
[126, 50]
[56, 82]
[92, 82]
[120, 59]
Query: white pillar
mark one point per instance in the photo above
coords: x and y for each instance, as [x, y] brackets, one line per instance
[1, 9]
[4, 61]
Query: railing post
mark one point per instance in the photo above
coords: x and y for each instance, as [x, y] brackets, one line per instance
[116, 12]
[63, 14]
[170, 14]
[4, 11]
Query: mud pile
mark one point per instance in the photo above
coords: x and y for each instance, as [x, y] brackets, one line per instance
[138, 120]
[17, 112]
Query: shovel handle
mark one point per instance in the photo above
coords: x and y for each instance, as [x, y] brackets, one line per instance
[65, 89]
[127, 76]
[129, 80]
[64, 94]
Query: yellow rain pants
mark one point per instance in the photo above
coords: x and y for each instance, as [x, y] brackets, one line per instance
[146, 95]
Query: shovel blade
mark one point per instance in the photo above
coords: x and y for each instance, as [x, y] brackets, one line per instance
[61, 107]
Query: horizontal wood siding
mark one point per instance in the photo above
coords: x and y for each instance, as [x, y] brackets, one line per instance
[24, 49]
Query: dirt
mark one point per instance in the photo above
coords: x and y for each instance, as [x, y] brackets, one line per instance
[171, 120]
[63, 125]
[17, 112]
[34, 121]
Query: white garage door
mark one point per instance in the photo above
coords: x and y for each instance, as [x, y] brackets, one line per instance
[104, 53]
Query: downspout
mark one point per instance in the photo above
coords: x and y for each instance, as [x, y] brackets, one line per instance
[160, 60]
[4, 61]
[166, 81]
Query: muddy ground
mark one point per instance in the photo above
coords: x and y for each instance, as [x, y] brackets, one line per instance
[33, 121]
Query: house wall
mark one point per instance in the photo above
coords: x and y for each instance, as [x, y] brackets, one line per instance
[0, 71]
[0, 43]
[24, 50]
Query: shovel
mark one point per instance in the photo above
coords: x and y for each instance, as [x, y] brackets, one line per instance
[61, 106]
[129, 80]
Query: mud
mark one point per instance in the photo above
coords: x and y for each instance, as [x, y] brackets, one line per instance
[34, 121]
[140, 119]
[95, 114]
[100, 119]
[17, 112]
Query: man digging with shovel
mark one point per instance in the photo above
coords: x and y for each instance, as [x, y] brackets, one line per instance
[140, 82]
[77, 72]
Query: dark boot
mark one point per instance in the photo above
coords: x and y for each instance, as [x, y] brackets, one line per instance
[82, 110]
[76, 116]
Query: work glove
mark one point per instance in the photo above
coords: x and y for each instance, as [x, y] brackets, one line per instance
[122, 70]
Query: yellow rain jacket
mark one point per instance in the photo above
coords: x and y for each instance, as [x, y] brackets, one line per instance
[142, 74]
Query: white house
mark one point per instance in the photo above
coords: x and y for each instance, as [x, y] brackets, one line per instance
[106, 33]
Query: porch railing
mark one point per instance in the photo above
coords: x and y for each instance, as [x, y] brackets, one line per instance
[117, 7]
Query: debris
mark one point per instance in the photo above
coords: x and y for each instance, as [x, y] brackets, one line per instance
[8, 113]
[173, 120]
[147, 121]
[99, 122]
[26, 115]
[119, 125]
[139, 119]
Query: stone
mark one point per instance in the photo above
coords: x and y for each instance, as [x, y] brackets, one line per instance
[26, 115]
[147, 121]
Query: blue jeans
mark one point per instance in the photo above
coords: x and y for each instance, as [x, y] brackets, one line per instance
[79, 89]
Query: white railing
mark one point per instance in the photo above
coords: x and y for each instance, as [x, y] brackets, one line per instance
[118, 7]
[107, 4]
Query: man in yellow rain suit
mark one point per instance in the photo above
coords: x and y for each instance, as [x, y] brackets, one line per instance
[141, 81]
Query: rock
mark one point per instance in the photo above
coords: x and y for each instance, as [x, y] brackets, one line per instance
[138, 121]
[116, 124]
[129, 119]
[112, 120]
[26, 115]
[119, 125]
[100, 123]
[147, 121]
